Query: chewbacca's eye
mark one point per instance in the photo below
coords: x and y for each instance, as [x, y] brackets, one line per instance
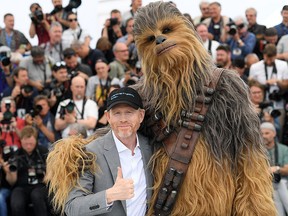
[151, 38]
[166, 30]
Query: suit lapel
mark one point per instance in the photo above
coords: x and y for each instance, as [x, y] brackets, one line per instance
[112, 157]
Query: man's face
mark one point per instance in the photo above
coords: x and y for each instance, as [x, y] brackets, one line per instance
[268, 137]
[121, 53]
[205, 10]
[256, 94]
[125, 120]
[9, 22]
[118, 16]
[71, 61]
[222, 58]
[251, 17]
[56, 2]
[73, 22]
[214, 10]
[45, 107]
[284, 14]
[22, 78]
[269, 60]
[102, 70]
[241, 28]
[203, 32]
[137, 4]
[271, 39]
[78, 87]
[38, 60]
[28, 144]
[129, 27]
[56, 34]
[60, 75]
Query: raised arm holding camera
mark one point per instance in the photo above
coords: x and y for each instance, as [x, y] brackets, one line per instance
[10, 125]
[239, 39]
[43, 120]
[40, 24]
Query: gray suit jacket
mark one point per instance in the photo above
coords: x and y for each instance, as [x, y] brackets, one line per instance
[81, 203]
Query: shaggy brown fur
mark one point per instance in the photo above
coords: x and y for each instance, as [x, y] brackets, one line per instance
[228, 174]
[65, 163]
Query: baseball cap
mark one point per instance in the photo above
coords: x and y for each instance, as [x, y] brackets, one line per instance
[125, 95]
[268, 125]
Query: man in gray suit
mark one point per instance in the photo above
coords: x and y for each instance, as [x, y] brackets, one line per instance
[123, 184]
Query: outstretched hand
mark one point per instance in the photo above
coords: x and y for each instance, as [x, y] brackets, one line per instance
[123, 189]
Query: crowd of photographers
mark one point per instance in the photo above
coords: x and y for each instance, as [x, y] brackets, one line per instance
[59, 87]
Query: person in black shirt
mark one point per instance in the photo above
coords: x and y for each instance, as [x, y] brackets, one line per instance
[29, 168]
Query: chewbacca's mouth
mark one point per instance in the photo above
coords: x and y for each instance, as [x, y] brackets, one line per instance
[164, 48]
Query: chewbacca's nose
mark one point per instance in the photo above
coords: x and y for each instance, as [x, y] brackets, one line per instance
[160, 39]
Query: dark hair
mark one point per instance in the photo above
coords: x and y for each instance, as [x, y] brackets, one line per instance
[224, 47]
[34, 4]
[270, 32]
[239, 63]
[115, 11]
[37, 51]
[17, 70]
[68, 52]
[128, 20]
[7, 14]
[41, 97]
[285, 7]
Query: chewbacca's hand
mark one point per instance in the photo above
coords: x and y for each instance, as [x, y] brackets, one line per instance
[123, 189]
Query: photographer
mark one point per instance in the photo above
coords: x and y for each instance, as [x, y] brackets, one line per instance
[58, 89]
[239, 39]
[27, 179]
[38, 66]
[278, 159]
[113, 28]
[78, 109]
[5, 68]
[43, 120]
[40, 24]
[21, 92]
[272, 73]
[10, 126]
[74, 67]
[5, 188]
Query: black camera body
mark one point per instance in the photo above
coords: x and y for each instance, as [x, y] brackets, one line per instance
[36, 111]
[232, 28]
[38, 14]
[10, 156]
[5, 58]
[58, 90]
[276, 177]
[113, 21]
[7, 115]
[69, 108]
[27, 88]
[277, 95]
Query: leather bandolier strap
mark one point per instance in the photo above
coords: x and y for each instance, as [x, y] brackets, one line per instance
[180, 145]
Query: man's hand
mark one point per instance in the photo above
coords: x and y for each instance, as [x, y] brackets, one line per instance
[123, 189]
[16, 91]
[38, 85]
[38, 121]
[70, 118]
[271, 81]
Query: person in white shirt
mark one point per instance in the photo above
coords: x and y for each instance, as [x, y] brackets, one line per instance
[274, 74]
[210, 45]
[78, 109]
[123, 186]
[74, 32]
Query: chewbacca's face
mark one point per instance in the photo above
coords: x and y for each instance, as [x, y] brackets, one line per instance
[167, 41]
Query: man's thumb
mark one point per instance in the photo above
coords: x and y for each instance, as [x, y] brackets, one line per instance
[119, 173]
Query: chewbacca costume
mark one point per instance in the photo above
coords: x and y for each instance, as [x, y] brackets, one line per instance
[228, 173]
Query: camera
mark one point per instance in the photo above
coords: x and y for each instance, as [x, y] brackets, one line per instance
[71, 5]
[72, 74]
[36, 173]
[5, 58]
[232, 28]
[276, 177]
[9, 155]
[113, 21]
[57, 89]
[69, 108]
[277, 95]
[7, 115]
[36, 111]
[27, 88]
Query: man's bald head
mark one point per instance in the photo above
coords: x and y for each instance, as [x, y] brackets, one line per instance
[78, 87]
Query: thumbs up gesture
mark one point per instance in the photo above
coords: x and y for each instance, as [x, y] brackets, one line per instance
[123, 189]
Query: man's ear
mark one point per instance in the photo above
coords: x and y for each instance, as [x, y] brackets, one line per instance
[142, 115]
[107, 115]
